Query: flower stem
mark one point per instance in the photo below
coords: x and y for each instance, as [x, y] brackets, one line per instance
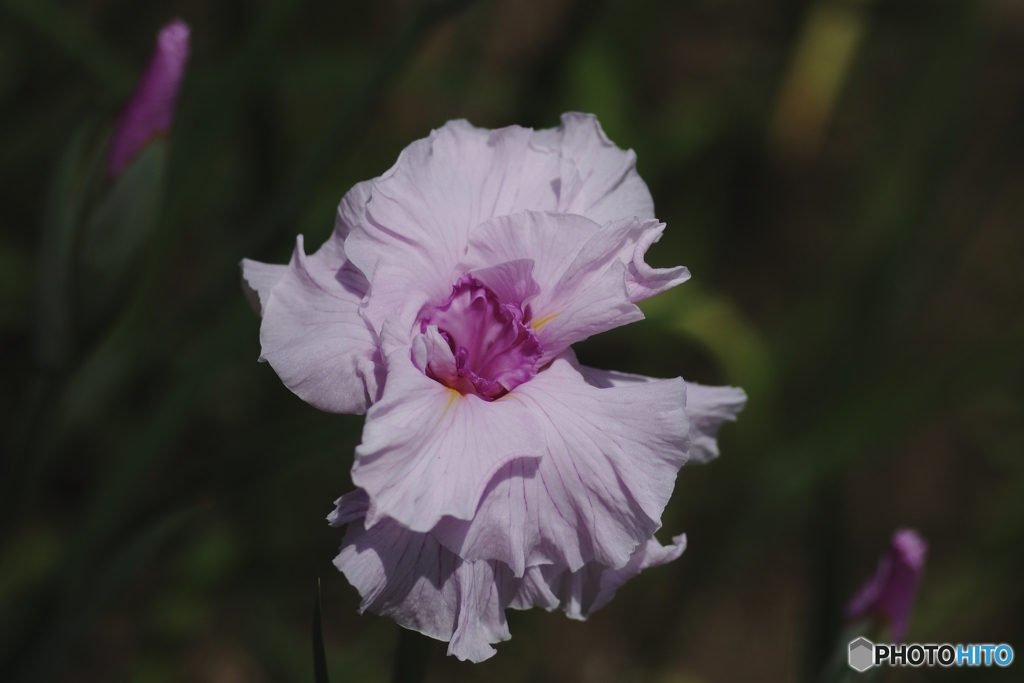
[319, 656]
[412, 657]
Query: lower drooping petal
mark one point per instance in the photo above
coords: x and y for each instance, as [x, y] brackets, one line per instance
[413, 579]
[597, 492]
[312, 332]
[427, 450]
[707, 408]
[423, 586]
[581, 593]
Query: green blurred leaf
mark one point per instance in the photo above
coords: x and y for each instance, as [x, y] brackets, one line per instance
[29, 558]
[14, 286]
[718, 324]
[101, 374]
[689, 123]
[72, 36]
[77, 175]
[87, 594]
[118, 227]
[209, 558]
[597, 84]
[145, 448]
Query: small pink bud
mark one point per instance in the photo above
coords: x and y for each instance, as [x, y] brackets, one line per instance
[150, 109]
[889, 594]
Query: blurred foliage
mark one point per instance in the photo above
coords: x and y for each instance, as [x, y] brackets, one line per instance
[844, 178]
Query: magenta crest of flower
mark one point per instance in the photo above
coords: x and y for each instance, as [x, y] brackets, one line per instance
[889, 594]
[495, 471]
[149, 111]
[494, 348]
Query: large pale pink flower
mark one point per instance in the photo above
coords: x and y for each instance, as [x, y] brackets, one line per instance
[494, 471]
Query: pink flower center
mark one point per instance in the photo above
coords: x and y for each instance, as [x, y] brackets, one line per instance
[494, 350]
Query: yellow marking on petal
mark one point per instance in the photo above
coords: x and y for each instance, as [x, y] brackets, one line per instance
[537, 324]
[452, 395]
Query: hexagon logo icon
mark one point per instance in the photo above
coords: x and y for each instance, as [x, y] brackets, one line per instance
[862, 654]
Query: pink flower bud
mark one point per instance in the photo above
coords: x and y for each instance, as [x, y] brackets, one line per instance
[889, 594]
[150, 109]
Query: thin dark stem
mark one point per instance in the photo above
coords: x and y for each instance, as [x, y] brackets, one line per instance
[412, 657]
[319, 656]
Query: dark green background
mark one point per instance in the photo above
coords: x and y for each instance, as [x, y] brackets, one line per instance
[844, 179]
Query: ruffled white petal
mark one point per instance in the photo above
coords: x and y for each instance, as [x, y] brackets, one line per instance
[551, 241]
[643, 281]
[706, 407]
[511, 282]
[582, 287]
[415, 226]
[533, 589]
[352, 209]
[258, 279]
[589, 275]
[350, 507]
[430, 352]
[599, 180]
[581, 593]
[312, 332]
[423, 586]
[598, 491]
[411, 578]
[427, 450]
